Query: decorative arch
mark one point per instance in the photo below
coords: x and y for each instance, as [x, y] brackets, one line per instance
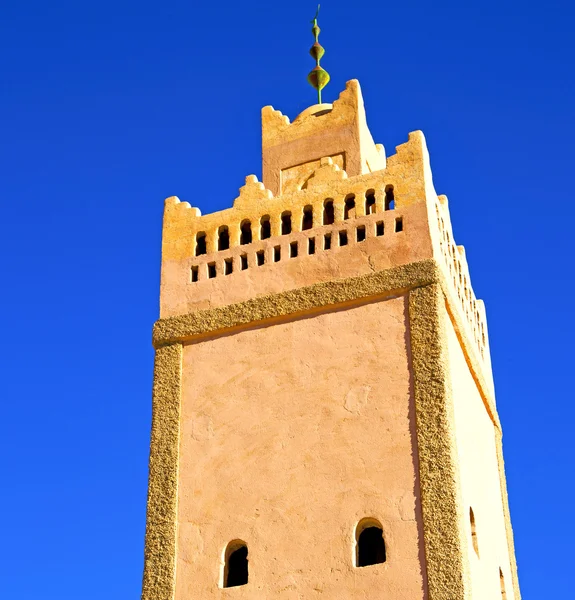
[286, 222]
[307, 218]
[328, 212]
[235, 564]
[349, 207]
[389, 198]
[369, 543]
[223, 238]
[245, 232]
[265, 227]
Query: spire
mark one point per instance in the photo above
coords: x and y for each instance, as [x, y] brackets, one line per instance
[318, 77]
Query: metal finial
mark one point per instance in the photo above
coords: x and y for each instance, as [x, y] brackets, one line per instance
[318, 77]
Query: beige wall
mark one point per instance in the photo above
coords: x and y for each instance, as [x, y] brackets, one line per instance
[290, 434]
[480, 484]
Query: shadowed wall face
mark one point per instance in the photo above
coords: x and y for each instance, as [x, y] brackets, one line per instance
[305, 429]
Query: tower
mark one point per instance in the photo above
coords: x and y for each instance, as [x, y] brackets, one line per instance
[324, 419]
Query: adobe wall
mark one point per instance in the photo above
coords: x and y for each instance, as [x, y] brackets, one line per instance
[404, 174]
[290, 434]
[476, 442]
[285, 389]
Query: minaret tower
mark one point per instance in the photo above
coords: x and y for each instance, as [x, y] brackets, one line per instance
[324, 419]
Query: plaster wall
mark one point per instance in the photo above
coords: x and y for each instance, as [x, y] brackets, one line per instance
[480, 484]
[305, 428]
[375, 253]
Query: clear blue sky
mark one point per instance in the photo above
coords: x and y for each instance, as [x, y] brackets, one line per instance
[108, 107]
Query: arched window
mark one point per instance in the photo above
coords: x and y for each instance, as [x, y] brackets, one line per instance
[369, 202]
[223, 238]
[235, 564]
[245, 232]
[286, 222]
[328, 212]
[265, 227]
[370, 545]
[389, 198]
[349, 208]
[473, 531]
[502, 583]
[200, 243]
[307, 220]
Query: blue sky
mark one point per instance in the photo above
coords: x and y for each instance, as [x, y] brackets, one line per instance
[106, 108]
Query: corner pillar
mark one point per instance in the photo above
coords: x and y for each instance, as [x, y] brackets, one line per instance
[159, 582]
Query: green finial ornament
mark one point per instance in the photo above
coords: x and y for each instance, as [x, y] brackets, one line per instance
[318, 78]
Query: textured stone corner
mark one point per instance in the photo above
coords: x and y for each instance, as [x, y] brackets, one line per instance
[444, 541]
[161, 521]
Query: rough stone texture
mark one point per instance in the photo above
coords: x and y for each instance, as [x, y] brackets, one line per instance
[161, 527]
[445, 545]
[302, 300]
[290, 364]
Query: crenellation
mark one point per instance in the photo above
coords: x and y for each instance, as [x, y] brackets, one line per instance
[457, 269]
[356, 358]
[260, 226]
[294, 244]
[368, 195]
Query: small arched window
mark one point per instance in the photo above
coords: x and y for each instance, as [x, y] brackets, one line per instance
[328, 212]
[286, 222]
[246, 232]
[235, 564]
[349, 208]
[369, 202]
[370, 545]
[223, 238]
[389, 198]
[265, 227]
[307, 219]
[473, 531]
[502, 583]
[200, 243]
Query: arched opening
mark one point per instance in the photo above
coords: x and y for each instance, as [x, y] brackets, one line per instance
[265, 227]
[307, 219]
[349, 207]
[246, 232]
[389, 198]
[502, 583]
[200, 243]
[473, 531]
[369, 202]
[286, 222]
[328, 212]
[370, 545]
[223, 238]
[235, 564]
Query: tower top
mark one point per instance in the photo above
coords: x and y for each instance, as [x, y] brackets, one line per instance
[291, 151]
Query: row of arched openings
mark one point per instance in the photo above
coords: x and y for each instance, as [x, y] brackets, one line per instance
[265, 230]
[369, 550]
